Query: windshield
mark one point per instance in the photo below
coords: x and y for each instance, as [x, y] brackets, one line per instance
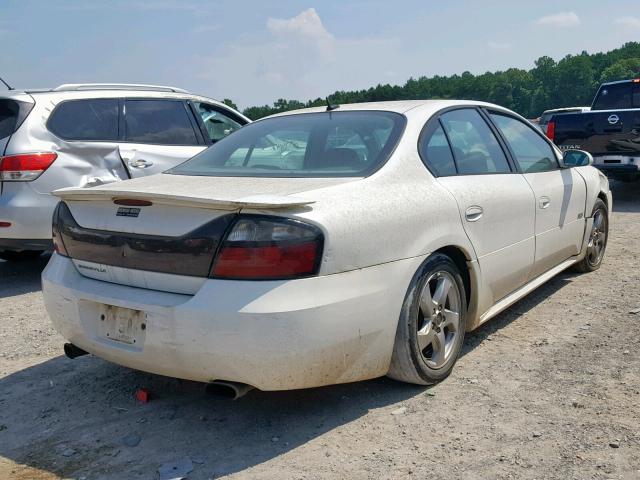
[618, 96]
[325, 144]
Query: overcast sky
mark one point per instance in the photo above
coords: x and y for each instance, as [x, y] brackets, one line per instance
[257, 51]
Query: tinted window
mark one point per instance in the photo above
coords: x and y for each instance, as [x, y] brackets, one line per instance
[331, 144]
[218, 124]
[617, 96]
[474, 145]
[531, 151]
[9, 110]
[91, 119]
[160, 122]
[436, 152]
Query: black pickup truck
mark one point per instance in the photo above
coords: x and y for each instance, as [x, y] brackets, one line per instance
[610, 131]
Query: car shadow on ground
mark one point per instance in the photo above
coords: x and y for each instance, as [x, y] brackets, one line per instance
[17, 278]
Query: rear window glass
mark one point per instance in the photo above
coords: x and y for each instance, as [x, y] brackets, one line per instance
[326, 144]
[159, 122]
[618, 96]
[91, 119]
[9, 110]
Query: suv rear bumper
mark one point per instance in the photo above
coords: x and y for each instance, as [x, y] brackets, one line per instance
[25, 244]
[29, 214]
[619, 172]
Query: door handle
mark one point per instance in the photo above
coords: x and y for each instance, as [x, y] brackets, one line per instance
[140, 163]
[474, 213]
[544, 202]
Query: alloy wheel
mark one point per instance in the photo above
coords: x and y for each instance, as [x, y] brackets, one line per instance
[438, 319]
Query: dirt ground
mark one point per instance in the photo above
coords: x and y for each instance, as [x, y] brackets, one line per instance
[548, 389]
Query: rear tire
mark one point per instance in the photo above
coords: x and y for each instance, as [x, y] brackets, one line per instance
[597, 240]
[432, 324]
[22, 256]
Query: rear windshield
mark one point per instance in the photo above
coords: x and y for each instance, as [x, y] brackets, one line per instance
[617, 96]
[326, 144]
[12, 113]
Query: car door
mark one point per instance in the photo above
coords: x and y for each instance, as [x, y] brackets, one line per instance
[157, 134]
[87, 148]
[496, 203]
[560, 193]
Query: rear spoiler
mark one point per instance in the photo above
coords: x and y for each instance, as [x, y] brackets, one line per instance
[260, 202]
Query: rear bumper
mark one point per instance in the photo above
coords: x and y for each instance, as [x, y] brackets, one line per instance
[274, 335]
[29, 214]
[618, 168]
[25, 244]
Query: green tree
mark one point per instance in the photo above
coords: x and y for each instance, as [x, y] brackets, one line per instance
[230, 103]
[549, 84]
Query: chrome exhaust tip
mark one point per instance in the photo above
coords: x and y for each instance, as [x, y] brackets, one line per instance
[228, 390]
[71, 351]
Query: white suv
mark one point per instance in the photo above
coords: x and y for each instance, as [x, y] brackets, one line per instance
[91, 134]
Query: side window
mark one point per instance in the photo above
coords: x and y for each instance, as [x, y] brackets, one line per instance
[159, 122]
[475, 147]
[92, 119]
[531, 152]
[218, 124]
[435, 151]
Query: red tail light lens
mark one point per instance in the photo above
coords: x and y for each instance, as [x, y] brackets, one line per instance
[25, 167]
[551, 130]
[269, 248]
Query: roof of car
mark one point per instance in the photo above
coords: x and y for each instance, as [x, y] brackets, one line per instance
[399, 106]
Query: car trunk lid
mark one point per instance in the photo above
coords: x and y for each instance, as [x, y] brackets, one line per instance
[165, 227]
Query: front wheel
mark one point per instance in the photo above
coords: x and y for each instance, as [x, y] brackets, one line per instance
[598, 237]
[432, 324]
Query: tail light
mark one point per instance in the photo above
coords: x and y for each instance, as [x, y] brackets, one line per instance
[25, 167]
[58, 244]
[551, 130]
[269, 248]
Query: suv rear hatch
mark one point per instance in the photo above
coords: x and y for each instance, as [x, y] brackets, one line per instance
[14, 109]
[13, 112]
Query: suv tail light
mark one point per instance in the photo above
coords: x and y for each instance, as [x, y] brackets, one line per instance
[551, 130]
[269, 248]
[25, 167]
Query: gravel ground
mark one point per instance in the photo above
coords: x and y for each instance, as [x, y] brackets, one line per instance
[548, 389]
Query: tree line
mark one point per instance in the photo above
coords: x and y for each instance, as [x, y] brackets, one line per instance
[571, 81]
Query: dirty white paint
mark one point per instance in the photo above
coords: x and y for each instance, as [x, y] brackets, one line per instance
[339, 326]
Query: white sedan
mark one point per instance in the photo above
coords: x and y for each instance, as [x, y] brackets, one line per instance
[324, 246]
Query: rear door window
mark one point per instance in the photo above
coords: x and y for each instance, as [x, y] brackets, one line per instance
[158, 122]
[475, 147]
[436, 152]
[530, 150]
[90, 119]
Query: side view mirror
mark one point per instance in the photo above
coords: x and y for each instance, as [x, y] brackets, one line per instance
[576, 158]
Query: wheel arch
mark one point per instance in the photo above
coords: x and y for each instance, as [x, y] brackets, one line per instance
[468, 267]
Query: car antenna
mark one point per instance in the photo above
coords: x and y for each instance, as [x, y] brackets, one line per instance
[331, 107]
[9, 87]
